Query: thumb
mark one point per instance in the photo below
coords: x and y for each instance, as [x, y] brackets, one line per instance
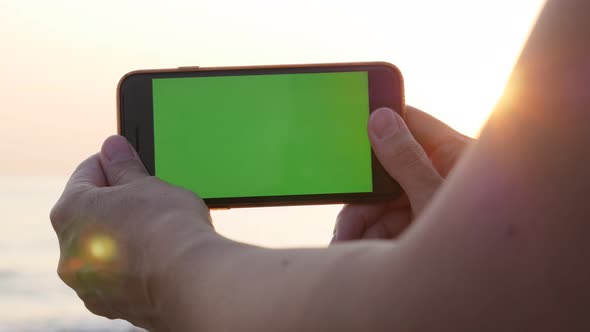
[120, 162]
[402, 157]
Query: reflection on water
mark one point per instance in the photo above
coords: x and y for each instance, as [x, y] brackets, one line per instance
[32, 298]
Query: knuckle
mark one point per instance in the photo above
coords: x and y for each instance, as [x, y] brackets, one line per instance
[351, 215]
[63, 276]
[343, 213]
[60, 213]
[66, 275]
[120, 176]
[353, 220]
[94, 304]
[446, 154]
[68, 208]
[406, 152]
[127, 172]
[408, 163]
[343, 216]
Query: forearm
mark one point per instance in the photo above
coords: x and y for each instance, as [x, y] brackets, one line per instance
[502, 246]
[508, 231]
[223, 285]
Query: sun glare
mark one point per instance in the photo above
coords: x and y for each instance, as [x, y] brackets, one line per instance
[455, 55]
[462, 75]
[102, 248]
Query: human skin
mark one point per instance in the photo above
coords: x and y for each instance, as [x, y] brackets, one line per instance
[386, 220]
[501, 245]
[157, 227]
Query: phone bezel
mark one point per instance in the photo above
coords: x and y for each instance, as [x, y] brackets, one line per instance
[134, 101]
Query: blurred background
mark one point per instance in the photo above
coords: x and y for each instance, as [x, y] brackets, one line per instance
[60, 62]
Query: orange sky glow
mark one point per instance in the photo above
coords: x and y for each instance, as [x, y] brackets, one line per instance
[61, 60]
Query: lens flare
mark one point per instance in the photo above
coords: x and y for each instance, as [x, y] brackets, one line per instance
[102, 248]
[74, 264]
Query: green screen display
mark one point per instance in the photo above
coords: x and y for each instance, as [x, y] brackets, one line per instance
[263, 135]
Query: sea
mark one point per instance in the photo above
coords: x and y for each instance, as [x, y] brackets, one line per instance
[33, 298]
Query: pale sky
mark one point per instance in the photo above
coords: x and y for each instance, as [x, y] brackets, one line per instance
[60, 61]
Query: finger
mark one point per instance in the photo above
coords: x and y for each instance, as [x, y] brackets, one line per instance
[442, 143]
[429, 131]
[354, 219]
[88, 175]
[120, 162]
[389, 226]
[94, 302]
[402, 157]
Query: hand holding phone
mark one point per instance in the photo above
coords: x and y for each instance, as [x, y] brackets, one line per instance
[258, 136]
[419, 153]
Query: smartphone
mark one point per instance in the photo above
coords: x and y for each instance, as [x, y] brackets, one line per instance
[263, 135]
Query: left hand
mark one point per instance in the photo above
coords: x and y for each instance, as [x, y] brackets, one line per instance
[120, 230]
[418, 154]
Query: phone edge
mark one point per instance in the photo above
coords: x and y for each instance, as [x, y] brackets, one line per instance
[314, 65]
[307, 65]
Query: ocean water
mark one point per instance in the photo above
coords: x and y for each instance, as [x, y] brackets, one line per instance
[33, 298]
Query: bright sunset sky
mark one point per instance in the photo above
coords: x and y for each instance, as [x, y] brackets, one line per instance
[61, 60]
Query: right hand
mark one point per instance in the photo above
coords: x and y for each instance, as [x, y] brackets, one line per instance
[418, 158]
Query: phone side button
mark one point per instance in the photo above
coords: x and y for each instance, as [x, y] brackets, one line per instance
[133, 137]
[189, 68]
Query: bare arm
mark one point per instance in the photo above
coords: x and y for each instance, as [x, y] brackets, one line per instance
[502, 246]
[505, 241]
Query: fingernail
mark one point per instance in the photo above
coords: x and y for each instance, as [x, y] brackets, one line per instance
[116, 148]
[383, 123]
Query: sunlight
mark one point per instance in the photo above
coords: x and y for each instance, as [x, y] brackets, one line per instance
[102, 248]
[460, 76]
[61, 61]
[455, 56]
